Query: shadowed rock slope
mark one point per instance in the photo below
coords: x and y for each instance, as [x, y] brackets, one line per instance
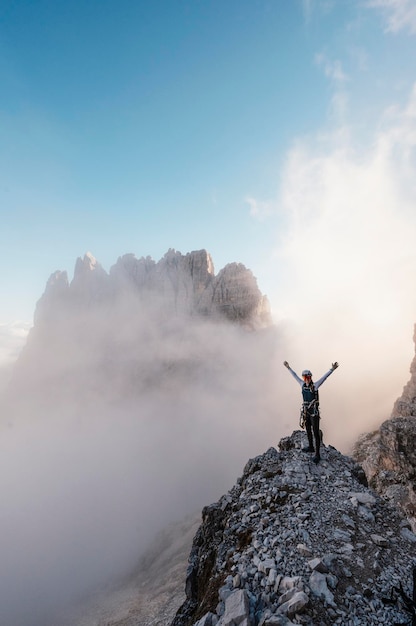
[296, 543]
[388, 455]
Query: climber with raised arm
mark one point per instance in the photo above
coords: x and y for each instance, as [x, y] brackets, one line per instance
[310, 407]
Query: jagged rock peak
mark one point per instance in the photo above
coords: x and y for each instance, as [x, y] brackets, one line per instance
[176, 285]
[88, 269]
[237, 295]
[296, 541]
[197, 257]
[88, 264]
[58, 281]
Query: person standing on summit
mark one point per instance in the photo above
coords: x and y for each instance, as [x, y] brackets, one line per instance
[310, 406]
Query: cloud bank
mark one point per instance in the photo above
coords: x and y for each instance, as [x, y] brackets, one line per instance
[347, 263]
[132, 426]
[12, 339]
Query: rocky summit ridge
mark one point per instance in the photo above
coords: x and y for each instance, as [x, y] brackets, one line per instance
[296, 543]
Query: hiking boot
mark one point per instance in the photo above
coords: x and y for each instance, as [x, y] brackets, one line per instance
[316, 459]
[308, 449]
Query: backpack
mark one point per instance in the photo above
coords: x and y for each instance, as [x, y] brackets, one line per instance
[310, 396]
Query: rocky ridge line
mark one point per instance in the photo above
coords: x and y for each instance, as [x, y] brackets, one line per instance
[295, 543]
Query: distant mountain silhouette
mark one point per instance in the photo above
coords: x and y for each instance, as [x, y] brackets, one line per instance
[118, 330]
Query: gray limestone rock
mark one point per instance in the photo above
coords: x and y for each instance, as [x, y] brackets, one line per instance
[296, 604]
[278, 620]
[236, 609]
[357, 559]
[319, 587]
[318, 565]
[408, 534]
[304, 550]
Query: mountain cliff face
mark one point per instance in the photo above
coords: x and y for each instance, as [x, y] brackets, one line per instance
[388, 455]
[292, 542]
[127, 329]
[177, 284]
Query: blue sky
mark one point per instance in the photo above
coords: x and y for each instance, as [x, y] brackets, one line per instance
[276, 133]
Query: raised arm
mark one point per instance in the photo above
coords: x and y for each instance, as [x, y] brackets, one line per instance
[325, 376]
[295, 376]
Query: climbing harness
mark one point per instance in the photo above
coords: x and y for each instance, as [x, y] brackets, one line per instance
[312, 409]
[305, 409]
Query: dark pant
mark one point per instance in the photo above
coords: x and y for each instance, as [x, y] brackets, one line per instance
[312, 425]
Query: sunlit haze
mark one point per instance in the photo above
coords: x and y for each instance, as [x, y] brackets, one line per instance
[280, 135]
